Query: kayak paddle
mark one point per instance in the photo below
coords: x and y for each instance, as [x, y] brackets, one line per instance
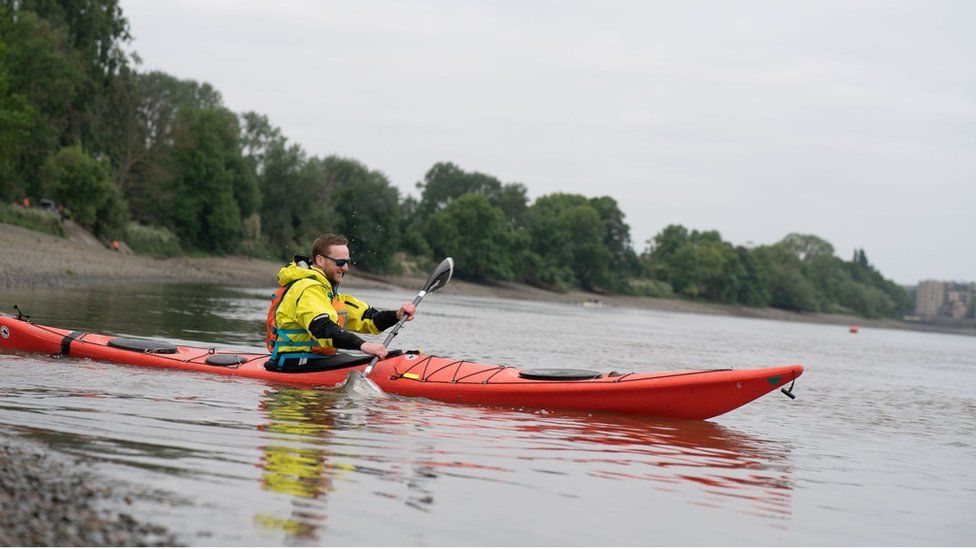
[437, 280]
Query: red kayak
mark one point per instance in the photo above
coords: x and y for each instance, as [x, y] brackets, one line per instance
[677, 394]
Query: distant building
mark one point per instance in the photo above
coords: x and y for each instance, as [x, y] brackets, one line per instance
[929, 298]
[957, 301]
[935, 298]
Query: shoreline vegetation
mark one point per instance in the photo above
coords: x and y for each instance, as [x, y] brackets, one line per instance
[160, 165]
[30, 259]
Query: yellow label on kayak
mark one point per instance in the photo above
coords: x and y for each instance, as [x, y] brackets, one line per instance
[408, 375]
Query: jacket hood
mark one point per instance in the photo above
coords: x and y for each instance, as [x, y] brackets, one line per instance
[292, 272]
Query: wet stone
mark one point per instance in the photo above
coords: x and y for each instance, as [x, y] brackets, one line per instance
[44, 502]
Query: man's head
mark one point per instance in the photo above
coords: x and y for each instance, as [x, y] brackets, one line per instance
[328, 251]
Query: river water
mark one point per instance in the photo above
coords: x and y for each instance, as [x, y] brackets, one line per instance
[878, 448]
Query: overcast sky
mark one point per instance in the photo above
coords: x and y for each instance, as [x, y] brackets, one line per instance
[851, 120]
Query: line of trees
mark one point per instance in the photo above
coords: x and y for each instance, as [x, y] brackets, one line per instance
[150, 157]
[800, 272]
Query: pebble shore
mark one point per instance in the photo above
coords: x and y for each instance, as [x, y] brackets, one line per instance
[48, 502]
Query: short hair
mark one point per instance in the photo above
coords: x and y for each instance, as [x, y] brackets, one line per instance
[323, 243]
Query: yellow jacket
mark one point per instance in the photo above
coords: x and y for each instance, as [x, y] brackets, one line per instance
[309, 295]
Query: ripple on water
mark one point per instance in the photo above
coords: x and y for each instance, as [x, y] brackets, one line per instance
[876, 450]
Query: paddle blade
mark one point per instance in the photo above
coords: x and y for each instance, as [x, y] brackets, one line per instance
[359, 384]
[440, 277]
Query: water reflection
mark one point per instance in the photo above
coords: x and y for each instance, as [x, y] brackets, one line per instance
[324, 466]
[298, 471]
[198, 312]
[724, 466]
[414, 451]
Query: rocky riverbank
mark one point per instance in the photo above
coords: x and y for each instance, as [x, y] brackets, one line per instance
[48, 502]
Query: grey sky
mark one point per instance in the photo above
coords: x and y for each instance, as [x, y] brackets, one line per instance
[852, 120]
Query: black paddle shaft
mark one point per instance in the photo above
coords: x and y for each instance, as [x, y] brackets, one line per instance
[396, 329]
[437, 280]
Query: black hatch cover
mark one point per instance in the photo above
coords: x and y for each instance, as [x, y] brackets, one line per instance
[563, 374]
[224, 360]
[143, 345]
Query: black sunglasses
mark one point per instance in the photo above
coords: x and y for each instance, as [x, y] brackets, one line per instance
[340, 262]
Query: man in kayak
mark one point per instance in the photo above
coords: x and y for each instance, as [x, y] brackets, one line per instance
[309, 320]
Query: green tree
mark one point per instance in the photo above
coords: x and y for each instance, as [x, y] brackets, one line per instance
[788, 287]
[567, 244]
[82, 184]
[17, 117]
[512, 199]
[659, 253]
[616, 239]
[591, 262]
[697, 264]
[367, 211]
[286, 185]
[298, 192]
[202, 201]
[412, 238]
[476, 234]
[896, 300]
[318, 214]
[753, 287]
[95, 32]
[259, 136]
[853, 287]
[145, 143]
[807, 247]
[445, 182]
[43, 77]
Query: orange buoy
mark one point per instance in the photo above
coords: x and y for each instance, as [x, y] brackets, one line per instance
[852, 329]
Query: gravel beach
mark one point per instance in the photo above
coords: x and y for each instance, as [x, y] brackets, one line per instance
[48, 502]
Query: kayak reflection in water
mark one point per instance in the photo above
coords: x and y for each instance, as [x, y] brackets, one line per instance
[421, 454]
[298, 471]
[309, 320]
[300, 460]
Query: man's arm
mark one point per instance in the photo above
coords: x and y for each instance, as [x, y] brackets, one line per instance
[322, 327]
[382, 319]
[365, 319]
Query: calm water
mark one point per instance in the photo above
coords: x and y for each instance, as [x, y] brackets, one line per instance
[878, 448]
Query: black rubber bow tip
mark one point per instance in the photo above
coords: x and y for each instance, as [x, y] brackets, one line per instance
[789, 392]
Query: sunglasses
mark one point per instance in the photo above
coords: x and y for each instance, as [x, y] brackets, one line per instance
[340, 262]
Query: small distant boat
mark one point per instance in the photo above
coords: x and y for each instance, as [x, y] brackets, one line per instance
[853, 329]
